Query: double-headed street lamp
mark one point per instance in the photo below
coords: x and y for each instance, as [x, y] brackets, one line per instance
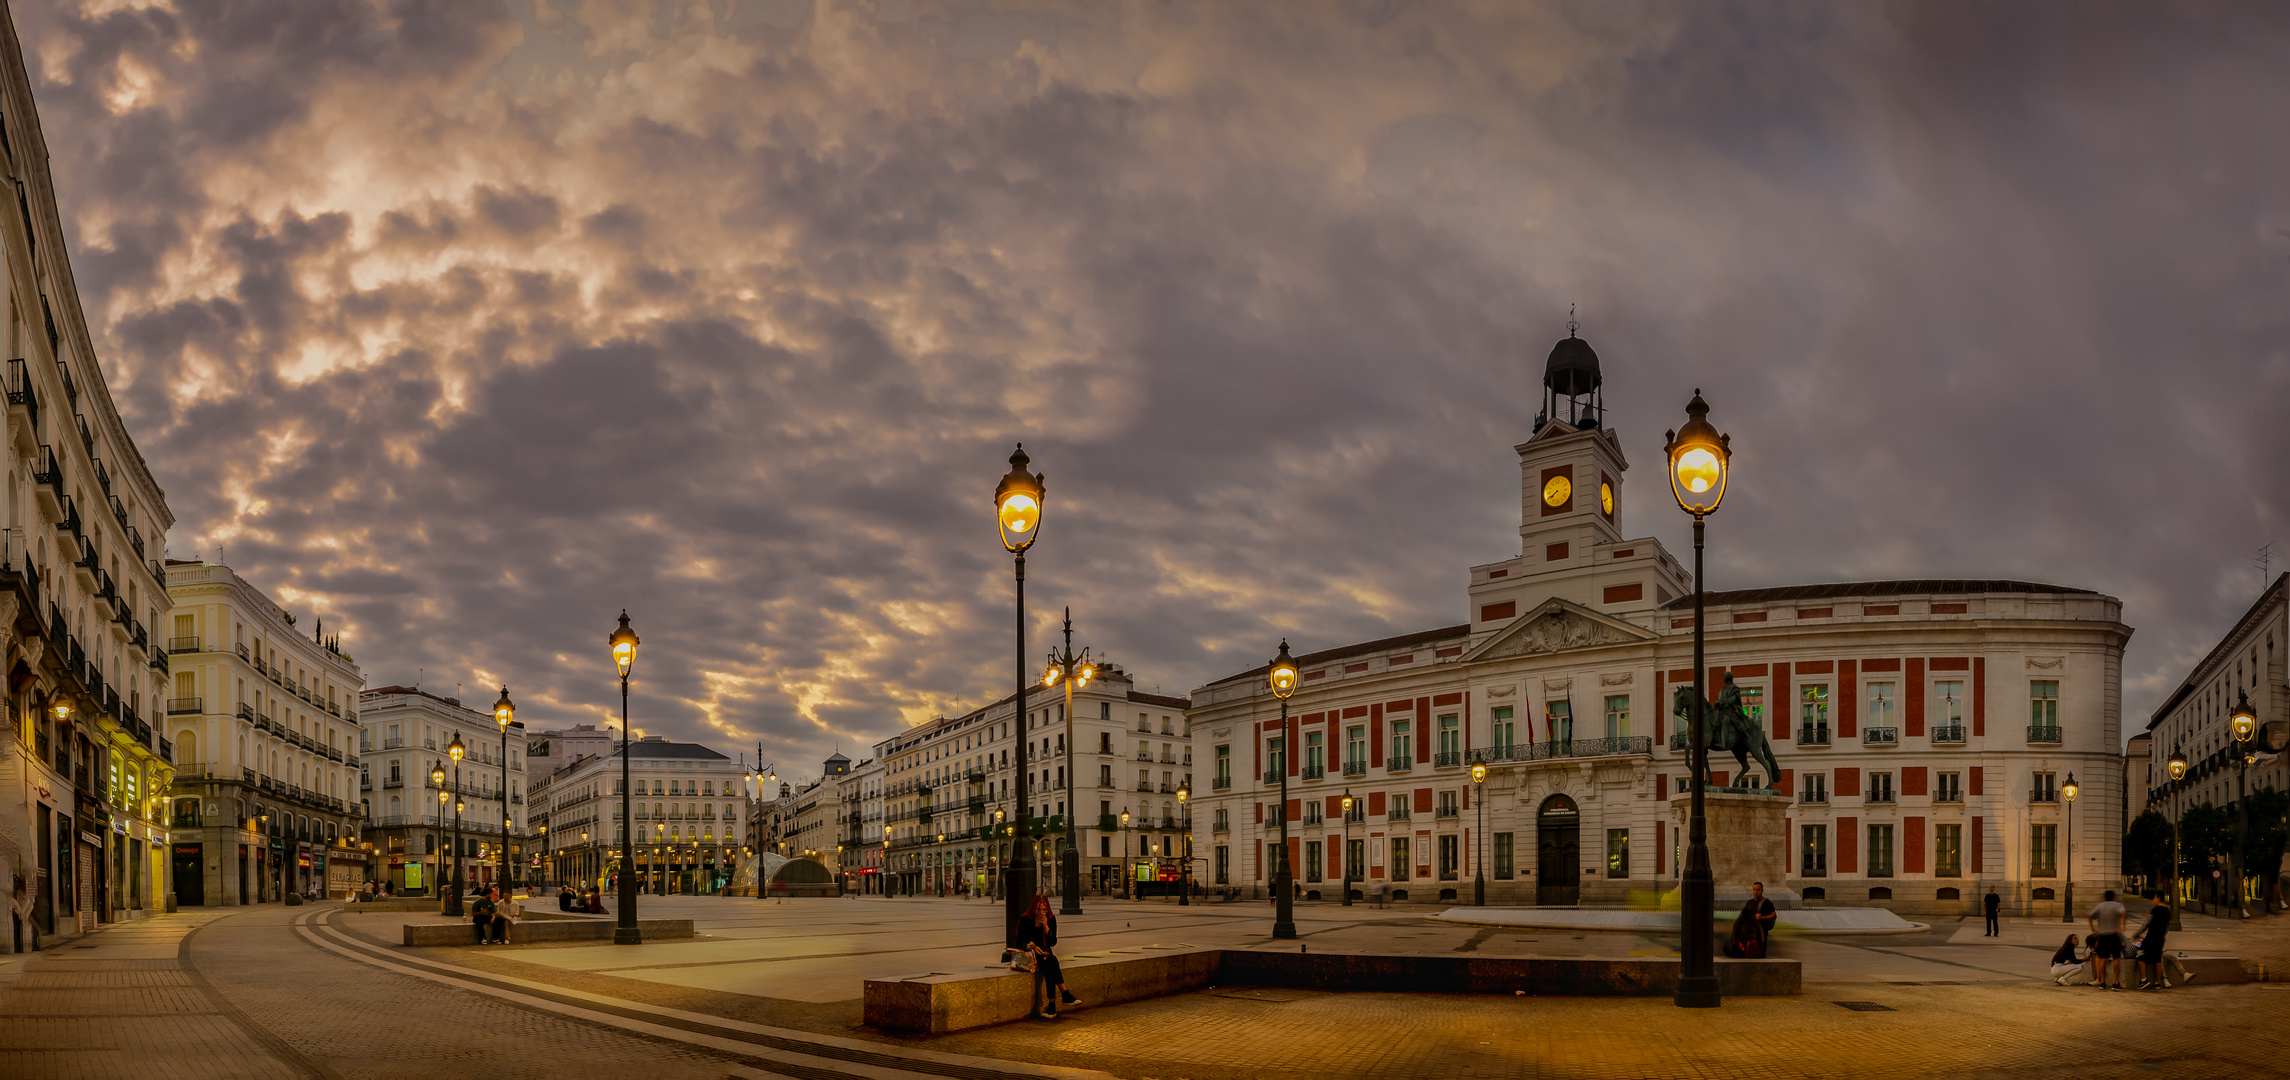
[1185, 856]
[504, 711]
[2067, 911]
[2245, 726]
[437, 779]
[624, 642]
[1282, 676]
[1018, 516]
[1075, 672]
[456, 751]
[1479, 843]
[1127, 878]
[1700, 458]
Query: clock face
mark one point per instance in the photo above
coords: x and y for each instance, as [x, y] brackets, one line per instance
[1606, 498]
[1557, 491]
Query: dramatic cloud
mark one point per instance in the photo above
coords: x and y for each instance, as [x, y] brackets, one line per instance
[462, 325]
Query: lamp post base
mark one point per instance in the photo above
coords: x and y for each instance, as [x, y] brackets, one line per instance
[1069, 880]
[1284, 912]
[627, 935]
[1479, 891]
[1698, 992]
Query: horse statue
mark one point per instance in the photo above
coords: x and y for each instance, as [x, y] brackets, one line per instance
[1727, 726]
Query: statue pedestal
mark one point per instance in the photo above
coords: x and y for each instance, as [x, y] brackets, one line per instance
[1748, 841]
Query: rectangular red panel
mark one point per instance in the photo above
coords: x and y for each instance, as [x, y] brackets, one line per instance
[1376, 803]
[1443, 653]
[1949, 609]
[1260, 813]
[1974, 784]
[1623, 594]
[1848, 695]
[1260, 860]
[1912, 845]
[1376, 735]
[1816, 613]
[1335, 807]
[1890, 664]
[1402, 705]
[1682, 624]
[1295, 852]
[1848, 845]
[1505, 610]
[1881, 609]
[1423, 708]
[1335, 859]
[1661, 847]
[1979, 847]
[1354, 712]
[1493, 574]
[1554, 552]
[1748, 616]
[1913, 698]
[1979, 696]
[1295, 810]
[1848, 783]
[1787, 782]
[1815, 667]
[1748, 671]
[1779, 701]
[1661, 709]
[1444, 700]
[1717, 776]
[1951, 663]
[1423, 800]
[1624, 553]
[1912, 780]
[1354, 669]
[1661, 787]
[1684, 674]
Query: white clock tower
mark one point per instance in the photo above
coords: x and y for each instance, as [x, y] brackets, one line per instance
[1571, 543]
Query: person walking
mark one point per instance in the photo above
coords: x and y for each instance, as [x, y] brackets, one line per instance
[2106, 939]
[1038, 936]
[2155, 961]
[1993, 904]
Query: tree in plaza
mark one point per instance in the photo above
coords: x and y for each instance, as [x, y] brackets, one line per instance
[2206, 834]
[2147, 847]
[2262, 845]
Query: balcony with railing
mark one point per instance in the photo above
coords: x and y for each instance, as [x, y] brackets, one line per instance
[1221, 826]
[1447, 812]
[1948, 735]
[1878, 797]
[1315, 772]
[1220, 783]
[1624, 746]
[1815, 798]
[2041, 796]
[1813, 735]
[1355, 768]
[1880, 736]
[182, 644]
[1271, 776]
[2044, 735]
[184, 705]
[1447, 759]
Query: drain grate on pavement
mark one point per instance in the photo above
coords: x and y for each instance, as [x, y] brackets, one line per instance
[1865, 1006]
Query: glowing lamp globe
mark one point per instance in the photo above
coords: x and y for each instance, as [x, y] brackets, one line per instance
[1018, 504]
[1283, 675]
[1700, 458]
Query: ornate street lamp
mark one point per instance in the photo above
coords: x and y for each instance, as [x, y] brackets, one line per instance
[1347, 847]
[456, 751]
[1479, 843]
[2067, 910]
[437, 779]
[2244, 723]
[1018, 515]
[1126, 876]
[1074, 672]
[1282, 676]
[1185, 857]
[1700, 459]
[2177, 767]
[505, 711]
[625, 932]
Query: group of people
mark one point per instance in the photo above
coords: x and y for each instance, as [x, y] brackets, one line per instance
[591, 901]
[2098, 960]
[492, 913]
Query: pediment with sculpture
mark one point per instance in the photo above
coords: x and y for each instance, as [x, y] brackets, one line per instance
[1557, 626]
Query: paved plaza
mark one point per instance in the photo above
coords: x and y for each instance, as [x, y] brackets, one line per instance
[771, 989]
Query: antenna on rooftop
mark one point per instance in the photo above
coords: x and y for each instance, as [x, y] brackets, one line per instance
[2265, 563]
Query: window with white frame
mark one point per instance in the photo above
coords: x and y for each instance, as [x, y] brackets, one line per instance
[1881, 705]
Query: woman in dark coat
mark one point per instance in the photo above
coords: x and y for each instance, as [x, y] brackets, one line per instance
[1038, 934]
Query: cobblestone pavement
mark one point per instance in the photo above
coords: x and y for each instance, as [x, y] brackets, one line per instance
[770, 990]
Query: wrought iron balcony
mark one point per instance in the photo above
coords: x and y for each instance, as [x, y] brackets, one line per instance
[1566, 748]
[182, 705]
[1315, 772]
[1447, 812]
[1815, 797]
[2045, 734]
[1447, 759]
[1813, 735]
[1398, 764]
[1221, 783]
[1880, 736]
[2041, 796]
[1948, 734]
[1355, 768]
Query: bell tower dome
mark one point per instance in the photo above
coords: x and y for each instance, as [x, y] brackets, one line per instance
[1571, 383]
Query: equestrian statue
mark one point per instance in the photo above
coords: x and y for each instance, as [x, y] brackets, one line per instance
[1727, 726]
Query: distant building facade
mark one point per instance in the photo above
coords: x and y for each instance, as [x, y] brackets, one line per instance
[1922, 729]
[265, 720]
[405, 733]
[686, 805]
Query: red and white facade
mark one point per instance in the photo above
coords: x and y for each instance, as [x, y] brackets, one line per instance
[1924, 729]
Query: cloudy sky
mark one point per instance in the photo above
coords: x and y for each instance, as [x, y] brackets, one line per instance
[462, 325]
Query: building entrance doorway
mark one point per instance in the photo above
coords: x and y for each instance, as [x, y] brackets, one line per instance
[1558, 865]
[190, 875]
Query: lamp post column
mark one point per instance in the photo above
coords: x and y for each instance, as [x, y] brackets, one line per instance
[1697, 890]
[1018, 516]
[626, 930]
[1283, 876]
[2067, 872]
[1347, 847]
[453, 900]
[503, 712]
[1479, 842]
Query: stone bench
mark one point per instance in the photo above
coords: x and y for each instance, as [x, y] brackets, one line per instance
[942, 1001]
[549, 926]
